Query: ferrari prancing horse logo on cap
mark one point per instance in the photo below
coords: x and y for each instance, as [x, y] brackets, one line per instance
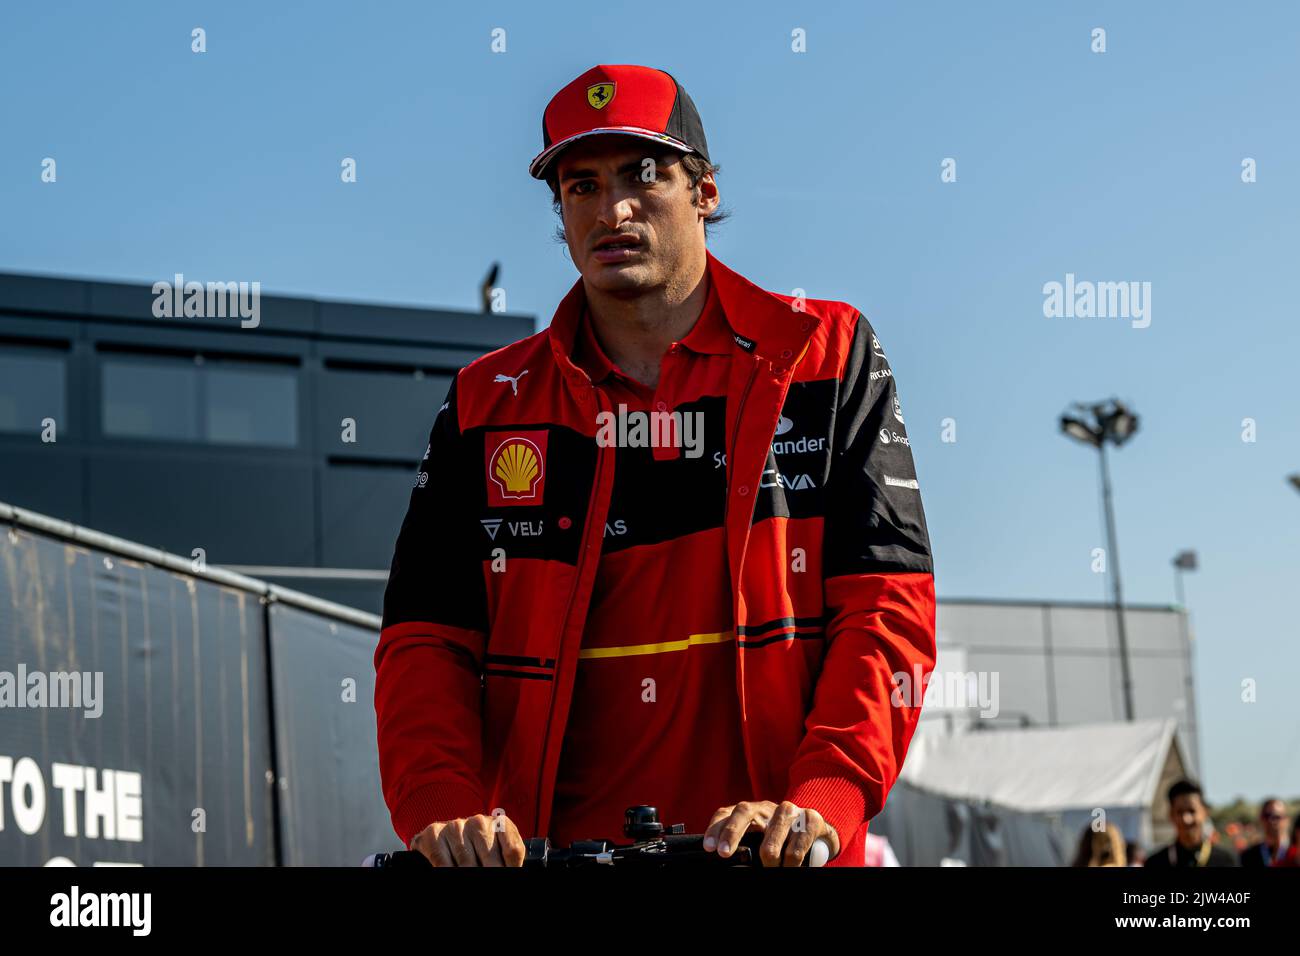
[599, 95]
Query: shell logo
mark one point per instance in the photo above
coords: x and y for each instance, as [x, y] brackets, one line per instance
[517, 468]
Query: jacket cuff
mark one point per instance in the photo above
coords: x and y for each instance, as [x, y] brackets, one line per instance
[433, 803]
[838, 799]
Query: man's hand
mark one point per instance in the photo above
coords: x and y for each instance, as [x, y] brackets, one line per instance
[479, 840]
[791, 831]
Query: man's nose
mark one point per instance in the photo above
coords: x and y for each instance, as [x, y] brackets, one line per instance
[616, 210]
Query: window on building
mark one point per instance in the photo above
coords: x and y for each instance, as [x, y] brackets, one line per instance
[251, 406]
[151, 398]
[199, 398]
[33, 388]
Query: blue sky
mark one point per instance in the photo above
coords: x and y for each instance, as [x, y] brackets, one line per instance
[1115, 167]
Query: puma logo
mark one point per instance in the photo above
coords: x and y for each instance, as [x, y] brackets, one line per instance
[513, 380]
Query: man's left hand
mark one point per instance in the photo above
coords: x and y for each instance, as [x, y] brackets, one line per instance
[790, 831]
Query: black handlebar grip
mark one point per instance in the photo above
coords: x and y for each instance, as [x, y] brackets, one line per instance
[691, 846]
[754, 839]
[399, 860]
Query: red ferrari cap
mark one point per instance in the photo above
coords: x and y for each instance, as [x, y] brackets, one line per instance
[635, 100]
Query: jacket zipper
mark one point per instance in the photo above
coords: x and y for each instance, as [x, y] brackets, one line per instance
[602, 457]
[753, 498]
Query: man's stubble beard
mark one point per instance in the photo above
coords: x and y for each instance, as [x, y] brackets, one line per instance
[630, 281]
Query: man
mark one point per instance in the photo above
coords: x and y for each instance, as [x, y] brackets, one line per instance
[1191, 846]
[579, 619]
[1273, 821]
[1291, 858]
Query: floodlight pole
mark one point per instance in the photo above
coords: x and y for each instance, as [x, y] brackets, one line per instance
[1112, 547]
[1112, 422]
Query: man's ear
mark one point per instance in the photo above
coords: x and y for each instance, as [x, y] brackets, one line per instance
[701, 189]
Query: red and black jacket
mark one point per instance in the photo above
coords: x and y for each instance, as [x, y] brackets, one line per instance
[831, 574]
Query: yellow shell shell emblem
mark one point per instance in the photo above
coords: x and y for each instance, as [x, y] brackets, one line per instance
[599, 95]
[517, 468]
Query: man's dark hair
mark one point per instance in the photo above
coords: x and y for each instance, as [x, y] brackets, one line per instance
[1184, 787]
[696, 168]
[1263, 804]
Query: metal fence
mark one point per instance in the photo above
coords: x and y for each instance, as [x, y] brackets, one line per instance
[153, 711]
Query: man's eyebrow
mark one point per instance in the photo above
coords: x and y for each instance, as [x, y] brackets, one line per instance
[632, 166]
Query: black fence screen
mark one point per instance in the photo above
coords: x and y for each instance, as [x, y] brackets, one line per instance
[138, 724]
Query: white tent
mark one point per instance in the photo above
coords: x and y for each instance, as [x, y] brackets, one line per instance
[1063, 772]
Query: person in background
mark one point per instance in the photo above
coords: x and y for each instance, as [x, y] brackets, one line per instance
[1192, 846]
[1104, 847]
[1276, 827]
[1291, 856]
[879, 852]
[1135, 854]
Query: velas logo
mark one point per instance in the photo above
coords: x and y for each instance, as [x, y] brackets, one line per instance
[516, 467]
[599, 95]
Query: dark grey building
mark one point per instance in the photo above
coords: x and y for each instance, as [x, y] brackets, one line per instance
[283, 445]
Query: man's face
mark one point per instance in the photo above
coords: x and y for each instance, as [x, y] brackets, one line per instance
[1273, 816]
[1187, 813]
[621, 187]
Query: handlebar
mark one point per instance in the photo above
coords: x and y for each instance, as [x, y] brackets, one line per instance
[670, 849]
[652, 845]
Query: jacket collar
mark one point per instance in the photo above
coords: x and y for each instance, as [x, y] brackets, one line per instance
[711, 335]
[778, 332]
[764, 324]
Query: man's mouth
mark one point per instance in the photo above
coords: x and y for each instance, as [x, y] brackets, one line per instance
[616, 249]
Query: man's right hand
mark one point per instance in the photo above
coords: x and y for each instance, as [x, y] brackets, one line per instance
[480, 840]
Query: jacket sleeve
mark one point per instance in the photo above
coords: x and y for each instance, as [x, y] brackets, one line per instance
[429, 659]
[880, 605]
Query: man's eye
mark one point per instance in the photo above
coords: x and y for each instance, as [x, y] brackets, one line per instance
[577, 189]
